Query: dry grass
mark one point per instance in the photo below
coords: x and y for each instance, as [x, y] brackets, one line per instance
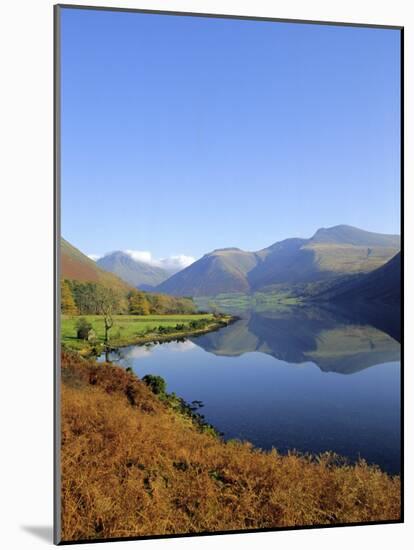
[132, 467]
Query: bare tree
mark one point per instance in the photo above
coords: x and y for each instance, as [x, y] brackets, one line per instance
[107, 302]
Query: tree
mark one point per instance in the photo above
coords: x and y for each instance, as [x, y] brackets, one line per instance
[138, 303]
[162, 304]
[67, 302]
[107, 300]
[85, 297]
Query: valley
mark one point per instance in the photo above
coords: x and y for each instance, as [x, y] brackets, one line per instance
[323, 267]
[293, 354]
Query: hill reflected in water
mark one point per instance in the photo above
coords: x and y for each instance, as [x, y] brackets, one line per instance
[331, 340]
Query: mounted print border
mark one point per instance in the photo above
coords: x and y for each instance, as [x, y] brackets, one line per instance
[123, 387]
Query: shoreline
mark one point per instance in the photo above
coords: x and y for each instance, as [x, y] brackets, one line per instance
[171, 400]
[149, 448]
[93, 350]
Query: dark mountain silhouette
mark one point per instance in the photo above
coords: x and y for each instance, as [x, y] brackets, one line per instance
[381, 285]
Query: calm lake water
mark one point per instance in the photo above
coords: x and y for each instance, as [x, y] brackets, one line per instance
[296, 379]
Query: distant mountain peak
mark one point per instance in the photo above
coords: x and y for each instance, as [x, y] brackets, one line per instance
[228, 249]
[134, 272]
[347, 234]
[114, 254]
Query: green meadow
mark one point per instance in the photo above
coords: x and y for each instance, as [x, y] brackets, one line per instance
[136, 329]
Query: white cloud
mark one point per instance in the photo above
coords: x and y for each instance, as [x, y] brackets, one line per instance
[181, 347]
[140, 256]
[142, 352]
[171, 264]
[94, 257]
[176, 263]
[138, 352]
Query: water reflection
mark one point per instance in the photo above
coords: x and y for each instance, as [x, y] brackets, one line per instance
[299, 335]
[300, 378]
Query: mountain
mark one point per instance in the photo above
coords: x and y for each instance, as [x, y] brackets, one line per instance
[330, 253]
[220, 271]
[136, 273]
[381, 285]
[346, 234]
[76, 266]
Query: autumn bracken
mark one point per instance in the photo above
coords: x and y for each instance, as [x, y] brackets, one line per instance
[132, 466]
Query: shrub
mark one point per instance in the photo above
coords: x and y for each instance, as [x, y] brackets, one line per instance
[156, 384]
[82, 328]
[165, 330]
[198, 323]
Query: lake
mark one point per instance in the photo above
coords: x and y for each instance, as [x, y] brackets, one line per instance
[294, 378]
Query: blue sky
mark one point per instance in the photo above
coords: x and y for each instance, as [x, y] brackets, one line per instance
[183, 134]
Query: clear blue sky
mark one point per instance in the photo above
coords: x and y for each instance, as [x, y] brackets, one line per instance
[183, 134]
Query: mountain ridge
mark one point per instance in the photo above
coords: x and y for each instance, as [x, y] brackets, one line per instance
[329, 253]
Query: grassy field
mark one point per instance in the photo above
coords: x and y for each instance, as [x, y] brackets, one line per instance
[129, 329]
[132, 466]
